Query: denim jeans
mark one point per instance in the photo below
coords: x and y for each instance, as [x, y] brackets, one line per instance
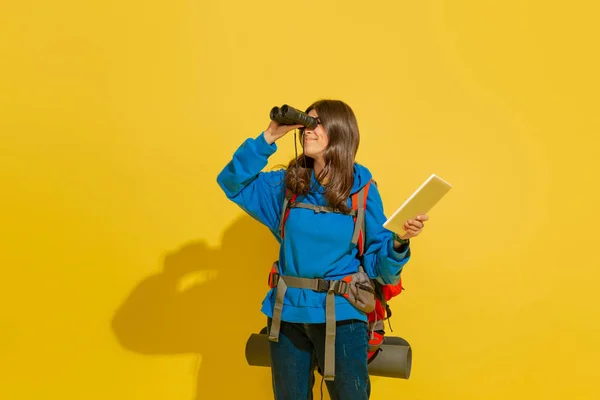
[301, 348]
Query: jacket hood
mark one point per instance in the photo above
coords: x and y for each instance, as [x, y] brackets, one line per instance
[362, 176]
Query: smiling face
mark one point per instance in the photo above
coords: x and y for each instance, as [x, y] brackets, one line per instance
[316, 140]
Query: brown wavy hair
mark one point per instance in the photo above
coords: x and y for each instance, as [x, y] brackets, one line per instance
[339, 122]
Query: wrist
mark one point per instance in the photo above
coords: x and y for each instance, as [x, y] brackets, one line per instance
[269, 137]
[399, 240]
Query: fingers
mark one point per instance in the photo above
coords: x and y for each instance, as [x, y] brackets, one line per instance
[411, 228]
[410, 234]
[422, 217]
[418, 222]
[414, 226]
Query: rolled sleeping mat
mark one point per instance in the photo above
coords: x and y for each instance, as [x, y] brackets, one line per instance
[393, 360]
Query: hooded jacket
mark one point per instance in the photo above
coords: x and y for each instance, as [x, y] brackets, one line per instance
[315, 245]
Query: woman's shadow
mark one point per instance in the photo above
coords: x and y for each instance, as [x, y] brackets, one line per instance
[206, 301]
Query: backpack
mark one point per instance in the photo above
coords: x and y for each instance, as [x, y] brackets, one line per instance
[366, 294]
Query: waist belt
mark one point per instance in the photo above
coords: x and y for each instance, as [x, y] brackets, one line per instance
[357, 288]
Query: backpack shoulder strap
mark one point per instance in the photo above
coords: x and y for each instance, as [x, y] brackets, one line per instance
[290, 198]
[359, 204]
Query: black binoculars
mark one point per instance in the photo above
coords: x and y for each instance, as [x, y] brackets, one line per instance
[288, 115]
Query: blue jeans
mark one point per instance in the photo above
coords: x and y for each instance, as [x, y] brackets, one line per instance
[301, 348]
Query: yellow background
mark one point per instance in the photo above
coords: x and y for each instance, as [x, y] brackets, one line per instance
[128, 275]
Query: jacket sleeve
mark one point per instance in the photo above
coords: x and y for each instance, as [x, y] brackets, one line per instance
[382, 261]
[260, 194]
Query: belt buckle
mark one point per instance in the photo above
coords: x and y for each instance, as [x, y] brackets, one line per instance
[322, 285]
[342, 287]
[273, 279]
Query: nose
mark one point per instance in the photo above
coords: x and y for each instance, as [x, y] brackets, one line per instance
[308, 134]
[309, 130]
[312, 130]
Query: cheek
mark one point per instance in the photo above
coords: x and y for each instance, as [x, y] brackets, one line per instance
[324, 141]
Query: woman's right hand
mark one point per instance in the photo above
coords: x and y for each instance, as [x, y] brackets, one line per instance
[277, 130]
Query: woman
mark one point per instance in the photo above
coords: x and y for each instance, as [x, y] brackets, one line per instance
[317, 245]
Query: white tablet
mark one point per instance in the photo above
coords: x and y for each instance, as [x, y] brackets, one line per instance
[420, 202]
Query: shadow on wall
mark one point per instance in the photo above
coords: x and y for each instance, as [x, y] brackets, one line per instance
[168, 313]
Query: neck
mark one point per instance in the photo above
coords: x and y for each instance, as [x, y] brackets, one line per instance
[318, 166]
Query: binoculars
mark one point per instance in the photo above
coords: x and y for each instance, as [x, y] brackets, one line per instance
[288, 115]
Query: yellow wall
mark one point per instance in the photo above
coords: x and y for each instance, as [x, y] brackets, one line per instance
[128, 275]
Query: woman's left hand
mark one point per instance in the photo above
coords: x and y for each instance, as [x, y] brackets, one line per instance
[414, 226]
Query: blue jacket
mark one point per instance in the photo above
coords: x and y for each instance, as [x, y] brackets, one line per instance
[315, 244]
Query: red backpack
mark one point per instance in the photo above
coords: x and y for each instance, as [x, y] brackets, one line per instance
[383, 293]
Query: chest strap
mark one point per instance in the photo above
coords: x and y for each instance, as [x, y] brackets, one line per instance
[321, 209]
